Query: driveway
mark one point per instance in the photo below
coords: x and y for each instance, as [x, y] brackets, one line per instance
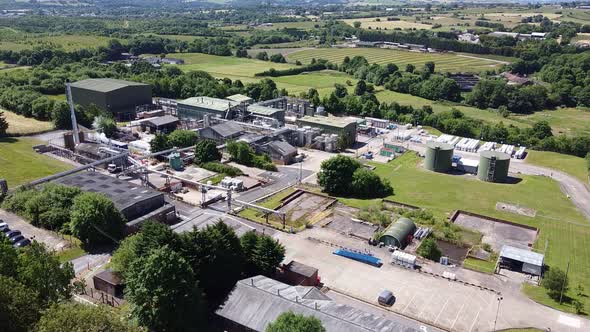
[50, 239]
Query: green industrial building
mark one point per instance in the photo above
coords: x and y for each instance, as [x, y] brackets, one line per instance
[438, 156]
[343, 127]
[399, 233]
[116, 96]
[195, 108]
[493, 166]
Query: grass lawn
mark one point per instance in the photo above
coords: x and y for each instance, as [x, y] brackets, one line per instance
[479, 265]
[67, 42]
[19, 163]
[572, 165]
[323, 81]
[272, 202]
[560, 223]
[19, 125]
[568, 121]
[384, 24]
[224, 66]
[444, 62]
[539, 294]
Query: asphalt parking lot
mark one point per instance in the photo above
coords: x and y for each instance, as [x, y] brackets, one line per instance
[436, 301]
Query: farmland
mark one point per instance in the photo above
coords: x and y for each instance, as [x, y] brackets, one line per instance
[444, 62]
[224, 66]
[67, 42]
[383, 24]
[20, 164]
[560, 223]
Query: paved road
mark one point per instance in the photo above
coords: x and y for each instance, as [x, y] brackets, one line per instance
[50, 239]
[285, 177]
[89, 261]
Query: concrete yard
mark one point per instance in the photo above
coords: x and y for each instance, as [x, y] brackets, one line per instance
[343, 220]
[202, 218]
[306, 206]
[432, 300]
[498, 234]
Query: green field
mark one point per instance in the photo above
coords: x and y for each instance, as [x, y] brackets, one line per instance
[565, 228]
[567, 121]
[227, 66]
[67, 42]
[323, 81]
[444, 62]
[19, 125]
[20, 164]
[572, 165]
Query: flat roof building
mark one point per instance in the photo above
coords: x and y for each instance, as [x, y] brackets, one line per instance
[239, 98]
[163, 124]
[132, 200]
[299, 274]
[195, 108]
[268, 112]
[344, 127]
[255, 302]
[116, 96]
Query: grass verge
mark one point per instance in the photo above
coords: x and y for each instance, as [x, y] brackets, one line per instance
[571, 165]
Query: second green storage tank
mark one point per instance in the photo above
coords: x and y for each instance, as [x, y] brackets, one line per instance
[438, 156]
[493, 166]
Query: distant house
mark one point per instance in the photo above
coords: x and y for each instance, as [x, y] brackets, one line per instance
[514, 79]
[468, 38]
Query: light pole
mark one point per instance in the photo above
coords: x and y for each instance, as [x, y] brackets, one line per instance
[497, 311]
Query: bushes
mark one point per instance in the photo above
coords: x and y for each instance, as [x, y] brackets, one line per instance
[344, 176]
[221, 168]
[294, 71]
[429, 249]
[242, 153]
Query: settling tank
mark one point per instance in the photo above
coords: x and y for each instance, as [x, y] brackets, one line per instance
[493, 166]
[438, 156]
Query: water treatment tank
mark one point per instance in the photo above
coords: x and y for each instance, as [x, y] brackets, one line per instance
[438, 156]
[493, 166]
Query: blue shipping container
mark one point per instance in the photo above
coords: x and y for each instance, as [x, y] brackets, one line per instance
[367, 259]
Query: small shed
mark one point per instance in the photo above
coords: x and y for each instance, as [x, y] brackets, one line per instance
[399, 233]
[109, 282]
[299, 274]
[521, 260]
[163, 124]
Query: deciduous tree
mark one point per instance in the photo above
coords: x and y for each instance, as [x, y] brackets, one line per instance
[95, 219]
[291, 322]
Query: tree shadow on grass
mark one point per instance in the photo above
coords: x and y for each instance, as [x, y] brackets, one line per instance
[8, 140]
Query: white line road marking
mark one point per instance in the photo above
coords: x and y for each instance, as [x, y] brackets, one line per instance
[407, 305]
[459, 312]
[475, 320]
[424, 306]
[441, 310]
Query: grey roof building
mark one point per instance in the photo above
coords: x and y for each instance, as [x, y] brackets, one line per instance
[132, 200]
[162, 124]
[195, 108]
[280, 152]
[257, 301]
[222, 132]
[522, 260]
[116, 96]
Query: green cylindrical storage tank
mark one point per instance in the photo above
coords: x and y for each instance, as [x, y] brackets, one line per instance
[399, 233]
[438, 156]
[175, 161]
[493, 166]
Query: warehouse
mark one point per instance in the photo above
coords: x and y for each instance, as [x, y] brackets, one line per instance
[239, 98]
[521, 260]
[195, 108]
[399, 233]
[116, 96]
[133, 201]
[222, 132]
[343, 127]
[255, 302]
[267, 112]
[160, 125]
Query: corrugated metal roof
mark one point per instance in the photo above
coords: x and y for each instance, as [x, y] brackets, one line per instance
[227, 129]
[257, 301]
[209, 103]
[104, 84]
[239, 98]
[264, 110]
[283, 147]
[163, 120]
[327, 121]
[300, 268]
[522, 255]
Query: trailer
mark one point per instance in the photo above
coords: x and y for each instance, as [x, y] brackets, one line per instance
[363, 258]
